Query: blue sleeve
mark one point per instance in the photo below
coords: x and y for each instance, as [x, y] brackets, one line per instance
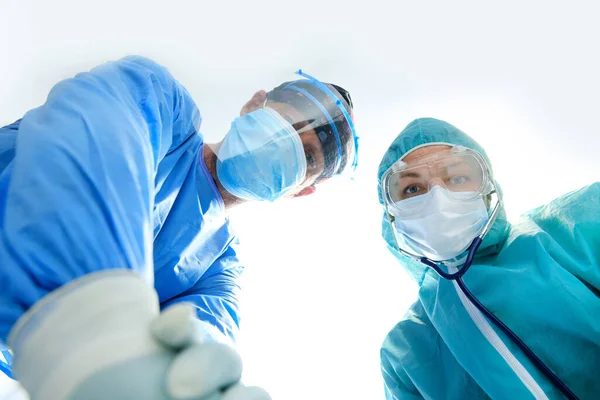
[215, 295]
[8, 140]
[80, 194]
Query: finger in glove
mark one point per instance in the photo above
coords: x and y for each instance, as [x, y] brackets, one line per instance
[203, 369]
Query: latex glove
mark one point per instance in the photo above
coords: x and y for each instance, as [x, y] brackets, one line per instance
[101, 337]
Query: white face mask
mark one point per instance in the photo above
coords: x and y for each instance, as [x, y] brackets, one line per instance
[445, 226]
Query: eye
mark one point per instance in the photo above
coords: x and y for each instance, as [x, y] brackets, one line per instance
[310, 160]
[410, 190]
[458, 180]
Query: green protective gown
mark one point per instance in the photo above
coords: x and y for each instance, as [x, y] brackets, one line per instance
[540, 276]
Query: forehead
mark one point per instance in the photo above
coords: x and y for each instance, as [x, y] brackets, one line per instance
[431, 152]
[287, 110]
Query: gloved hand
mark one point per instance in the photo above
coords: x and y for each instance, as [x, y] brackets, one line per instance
[101, 337]
[201, 348]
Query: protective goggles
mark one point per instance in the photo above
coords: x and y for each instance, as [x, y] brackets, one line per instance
[456, 185]
[461, 171]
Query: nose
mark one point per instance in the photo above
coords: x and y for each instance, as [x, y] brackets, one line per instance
[435, 182]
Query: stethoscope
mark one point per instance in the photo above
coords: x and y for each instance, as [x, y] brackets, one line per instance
[457, 276]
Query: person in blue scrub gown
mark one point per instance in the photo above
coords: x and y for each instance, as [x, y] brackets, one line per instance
[112, 173]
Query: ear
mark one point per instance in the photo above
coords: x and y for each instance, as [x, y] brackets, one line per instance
[488, 201]
[306, 191]
[256, 102]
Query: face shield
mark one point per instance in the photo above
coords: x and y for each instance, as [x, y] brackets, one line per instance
[302, 134]
[440, 203]
[322, 112]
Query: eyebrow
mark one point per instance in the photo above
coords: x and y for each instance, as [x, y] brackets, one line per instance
[410, 175]
[456, 164]
[308, 125]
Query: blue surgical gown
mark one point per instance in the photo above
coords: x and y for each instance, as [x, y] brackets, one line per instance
[109, 173]
[540, 276]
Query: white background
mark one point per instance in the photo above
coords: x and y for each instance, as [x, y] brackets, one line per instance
[320, 289]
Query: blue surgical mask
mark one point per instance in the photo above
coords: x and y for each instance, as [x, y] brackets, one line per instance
[262, 157]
